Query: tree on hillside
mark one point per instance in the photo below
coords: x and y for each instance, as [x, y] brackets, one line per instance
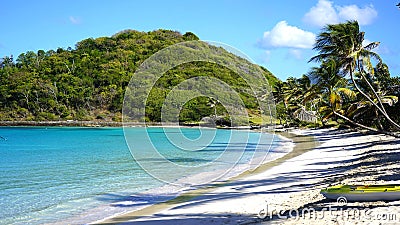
[89, 81]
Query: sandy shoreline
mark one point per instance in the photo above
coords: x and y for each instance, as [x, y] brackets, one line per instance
[159, 198]
[273, 195]
[284, 152]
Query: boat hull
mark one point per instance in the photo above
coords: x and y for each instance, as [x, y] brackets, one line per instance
[368, 197]
[362, 193]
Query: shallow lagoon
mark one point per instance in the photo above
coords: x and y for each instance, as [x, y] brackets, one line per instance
[54, 174]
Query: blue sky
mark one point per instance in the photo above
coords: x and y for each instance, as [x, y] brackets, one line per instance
[275, 34]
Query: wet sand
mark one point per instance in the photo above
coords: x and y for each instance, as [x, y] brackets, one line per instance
[302, 144]
[286, 191]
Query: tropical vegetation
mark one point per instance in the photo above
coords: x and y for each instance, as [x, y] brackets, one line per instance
[88, 82]
[351, 86]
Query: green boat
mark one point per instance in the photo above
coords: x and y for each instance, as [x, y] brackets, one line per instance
[344, 193]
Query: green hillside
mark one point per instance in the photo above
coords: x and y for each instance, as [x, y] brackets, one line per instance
[88, 82]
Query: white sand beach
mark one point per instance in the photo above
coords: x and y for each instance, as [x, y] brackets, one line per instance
[284, 193]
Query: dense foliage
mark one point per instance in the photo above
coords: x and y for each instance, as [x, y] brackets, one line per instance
[88, 82]
[351, 86]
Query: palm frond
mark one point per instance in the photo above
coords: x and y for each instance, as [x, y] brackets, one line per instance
[372, 45]
[390, 100]
[335, 99]
[347, 92]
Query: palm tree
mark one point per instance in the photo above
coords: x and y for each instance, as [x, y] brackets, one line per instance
[344, 44]
[279, 93]
[287, 93]
[364, 110]
[330, 91]
[293, 93]
[212, 102]
[294, 90]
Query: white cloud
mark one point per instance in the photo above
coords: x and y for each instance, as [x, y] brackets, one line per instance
[284, 35]
[74, 20]
[321, 14]
[364, 16]
[326, 13]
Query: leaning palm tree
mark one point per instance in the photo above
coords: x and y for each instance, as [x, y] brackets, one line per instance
[330, 91]
[364, 110]
[344, 44]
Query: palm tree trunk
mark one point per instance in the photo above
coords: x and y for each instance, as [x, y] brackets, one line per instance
[372, 102]
[372, 88]
[378, 120]
[287, 112]
[215, 112]
[366, 127]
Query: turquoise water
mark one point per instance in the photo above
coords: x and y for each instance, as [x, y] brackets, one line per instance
[49, 175]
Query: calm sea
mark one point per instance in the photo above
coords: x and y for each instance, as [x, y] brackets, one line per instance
[79, 175]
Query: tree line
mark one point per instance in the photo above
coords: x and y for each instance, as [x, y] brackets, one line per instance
[351, 86]
[88, 82]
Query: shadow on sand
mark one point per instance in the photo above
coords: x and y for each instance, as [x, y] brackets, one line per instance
[303, 179]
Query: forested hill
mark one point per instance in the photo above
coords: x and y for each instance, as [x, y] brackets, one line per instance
[88, 82]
